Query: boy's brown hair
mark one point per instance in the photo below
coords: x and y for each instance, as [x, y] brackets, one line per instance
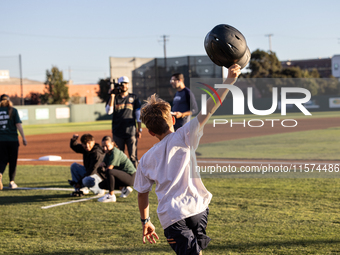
[86, 138]
[156, 116]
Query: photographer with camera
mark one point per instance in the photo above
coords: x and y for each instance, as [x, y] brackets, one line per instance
[125, 110]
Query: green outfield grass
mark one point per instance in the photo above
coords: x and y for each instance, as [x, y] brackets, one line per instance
[247, 216]
[312, 145]
[67, 127]
[106, 124]
[290, 115]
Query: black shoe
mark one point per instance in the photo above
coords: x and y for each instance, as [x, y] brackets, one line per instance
[78, 193]
[72, 183]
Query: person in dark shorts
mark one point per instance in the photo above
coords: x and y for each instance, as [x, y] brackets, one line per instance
[170, 164]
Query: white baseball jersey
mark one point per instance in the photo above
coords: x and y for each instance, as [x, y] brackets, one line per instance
[171, 164]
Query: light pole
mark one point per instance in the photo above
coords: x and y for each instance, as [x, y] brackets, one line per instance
[21, 85]
[270, 41]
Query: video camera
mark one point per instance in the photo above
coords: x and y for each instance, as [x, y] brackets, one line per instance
[115, 87]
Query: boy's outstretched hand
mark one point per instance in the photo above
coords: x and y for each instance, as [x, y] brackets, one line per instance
[149, 232]
[233, 72]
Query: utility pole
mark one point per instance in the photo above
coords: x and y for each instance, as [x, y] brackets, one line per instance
[69, 76]
[270, 41]
[164, 48]
[21, 86]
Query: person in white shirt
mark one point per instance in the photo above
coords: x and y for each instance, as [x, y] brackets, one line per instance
[182, 197]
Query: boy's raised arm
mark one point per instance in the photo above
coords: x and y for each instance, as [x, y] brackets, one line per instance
[233, 72]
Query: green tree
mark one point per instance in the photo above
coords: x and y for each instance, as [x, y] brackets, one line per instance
[329, 86]
[264, 64]
[56, 90]
[293, 72]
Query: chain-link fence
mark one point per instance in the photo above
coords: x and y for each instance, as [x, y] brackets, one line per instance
[153, 75]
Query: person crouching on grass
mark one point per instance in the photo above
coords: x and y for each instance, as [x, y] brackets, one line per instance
[182, 197]
[118, 169]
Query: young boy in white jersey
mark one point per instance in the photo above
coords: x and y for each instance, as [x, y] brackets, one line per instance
[182, 199]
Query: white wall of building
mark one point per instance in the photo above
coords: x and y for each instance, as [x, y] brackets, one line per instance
[336, 66]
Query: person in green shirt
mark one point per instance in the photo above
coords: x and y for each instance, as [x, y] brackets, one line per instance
[119, 170]
[10, 124]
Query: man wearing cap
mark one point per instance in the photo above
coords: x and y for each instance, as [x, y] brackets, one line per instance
[125, 110]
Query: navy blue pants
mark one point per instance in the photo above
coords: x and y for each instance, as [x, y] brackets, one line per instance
[188, 236]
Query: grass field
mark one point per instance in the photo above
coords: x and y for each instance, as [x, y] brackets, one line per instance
[290, 115]
[67, 127]
[247, 216]
[308, 145]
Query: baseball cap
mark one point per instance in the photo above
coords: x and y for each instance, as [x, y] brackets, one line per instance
[123, 79]
[3, 97]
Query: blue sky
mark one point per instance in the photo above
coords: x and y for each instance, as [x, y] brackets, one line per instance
[81, 35]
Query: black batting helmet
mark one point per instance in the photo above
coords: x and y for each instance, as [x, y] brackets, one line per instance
[225, 46]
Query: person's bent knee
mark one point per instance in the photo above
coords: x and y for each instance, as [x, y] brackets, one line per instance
[88, 182]
[74, 166]
[104, 185]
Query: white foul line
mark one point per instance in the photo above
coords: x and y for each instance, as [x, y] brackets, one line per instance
[76, 201]
[62, 189]
[61, 160]
[70, 202]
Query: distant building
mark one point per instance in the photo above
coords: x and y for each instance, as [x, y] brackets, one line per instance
[336, 66]
[84, 93]
[4, 74]
[322, 65]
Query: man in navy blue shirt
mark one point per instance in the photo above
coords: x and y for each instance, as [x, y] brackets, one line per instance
[184, 103]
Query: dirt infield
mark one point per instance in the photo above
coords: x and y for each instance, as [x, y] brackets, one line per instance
[58, 144]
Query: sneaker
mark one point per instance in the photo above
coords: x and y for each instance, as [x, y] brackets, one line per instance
[77, 193]
[85, 190]
[125, 192]
[12, 185]
[71, 182]
[1, 186]
[107, 198]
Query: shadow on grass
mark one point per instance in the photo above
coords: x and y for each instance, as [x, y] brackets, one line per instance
[54, 183]
[8, 200]
[155, 249]
[212, 249]
[244, 247]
